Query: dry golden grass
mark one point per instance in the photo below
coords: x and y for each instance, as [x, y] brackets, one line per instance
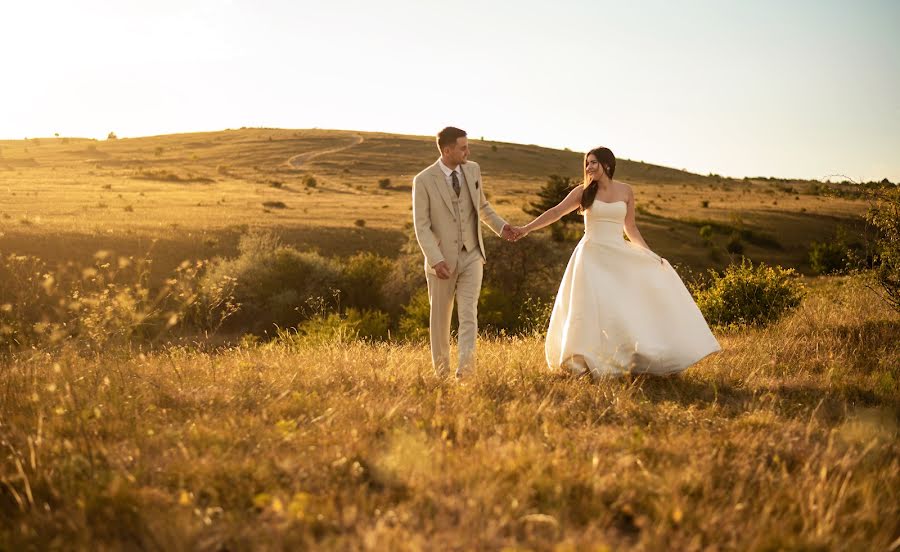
[786, 440]
[192, 195]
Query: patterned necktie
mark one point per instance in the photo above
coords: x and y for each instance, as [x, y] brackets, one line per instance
[455, 183]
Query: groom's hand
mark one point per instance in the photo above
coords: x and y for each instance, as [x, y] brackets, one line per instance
[508, 233]
[442, 269]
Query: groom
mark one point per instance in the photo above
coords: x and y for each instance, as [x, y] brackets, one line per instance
[448, 201]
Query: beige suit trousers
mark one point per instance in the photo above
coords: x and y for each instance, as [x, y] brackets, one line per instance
[464, 285]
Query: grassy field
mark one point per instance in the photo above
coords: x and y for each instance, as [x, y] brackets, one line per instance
[192, 195]
[788, 439]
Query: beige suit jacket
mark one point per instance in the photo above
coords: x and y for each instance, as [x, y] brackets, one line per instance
[437, 230]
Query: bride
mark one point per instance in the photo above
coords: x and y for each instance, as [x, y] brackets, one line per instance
[620, 308]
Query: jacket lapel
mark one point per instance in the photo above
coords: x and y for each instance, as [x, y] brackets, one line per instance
[470, 184]
[441, 185]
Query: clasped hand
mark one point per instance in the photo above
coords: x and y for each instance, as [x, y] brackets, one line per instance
[513, 233]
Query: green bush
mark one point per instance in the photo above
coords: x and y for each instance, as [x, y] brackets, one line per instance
[828, 257]
[497, 310]
[364, 276]
[748, 295]
[416, 316]
[274, 284]
[844, 251]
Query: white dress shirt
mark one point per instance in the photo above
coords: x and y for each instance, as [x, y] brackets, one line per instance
[448, 171]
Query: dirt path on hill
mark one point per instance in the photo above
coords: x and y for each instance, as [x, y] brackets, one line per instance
[297, 161]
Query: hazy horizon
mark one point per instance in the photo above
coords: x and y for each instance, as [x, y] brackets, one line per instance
[806, 90]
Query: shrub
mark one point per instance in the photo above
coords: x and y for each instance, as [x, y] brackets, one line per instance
[845, 250]
[416, 317]
[704, 203]
[520, 278]
[827, 257]
[748, 295]
[497, 310]
[735, 245]
[359, 223]
[275, 284]
[310, 181]
[384, 183]
[112, 136]
[275, 204]
[706, 233]
[364, 276]
[885, 217]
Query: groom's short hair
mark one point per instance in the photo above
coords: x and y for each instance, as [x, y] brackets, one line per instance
[448, 136]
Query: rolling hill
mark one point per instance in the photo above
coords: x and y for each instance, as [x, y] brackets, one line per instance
[192, 195]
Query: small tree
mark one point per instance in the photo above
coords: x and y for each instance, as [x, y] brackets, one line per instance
[112, 136]
[555, 190]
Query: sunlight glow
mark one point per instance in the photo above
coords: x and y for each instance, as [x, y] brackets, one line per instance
[805, 89]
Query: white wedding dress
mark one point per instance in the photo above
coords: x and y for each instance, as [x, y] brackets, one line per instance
[619, 310]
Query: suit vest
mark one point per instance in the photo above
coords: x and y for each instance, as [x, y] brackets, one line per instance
[466, 217]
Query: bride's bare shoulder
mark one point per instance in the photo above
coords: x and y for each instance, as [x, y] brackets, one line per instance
[624, 188]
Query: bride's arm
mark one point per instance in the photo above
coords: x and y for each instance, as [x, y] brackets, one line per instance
[553, 214]
[631, 229]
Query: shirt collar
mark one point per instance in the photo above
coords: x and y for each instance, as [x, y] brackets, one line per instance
[447, 170]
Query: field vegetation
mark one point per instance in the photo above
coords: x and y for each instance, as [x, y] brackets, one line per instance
[217, 341]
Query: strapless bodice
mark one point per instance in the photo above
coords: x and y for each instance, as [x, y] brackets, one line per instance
[603, 221]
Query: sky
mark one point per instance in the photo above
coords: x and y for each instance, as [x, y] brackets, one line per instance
[799, 89]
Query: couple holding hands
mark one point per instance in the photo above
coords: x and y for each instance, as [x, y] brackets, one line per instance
[620, 307]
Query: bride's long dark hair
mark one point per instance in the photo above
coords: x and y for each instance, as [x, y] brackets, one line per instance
[608, 163]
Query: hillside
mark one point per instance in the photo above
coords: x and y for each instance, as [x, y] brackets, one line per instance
[191, 196]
